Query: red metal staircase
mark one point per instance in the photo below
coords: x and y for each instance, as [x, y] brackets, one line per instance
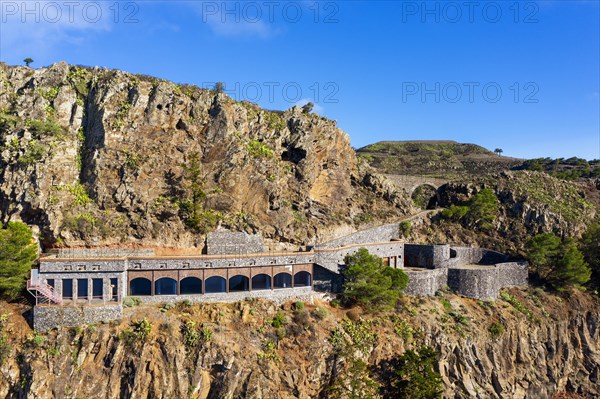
[43, 293]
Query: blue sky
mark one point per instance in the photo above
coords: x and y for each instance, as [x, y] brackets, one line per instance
[523, 76]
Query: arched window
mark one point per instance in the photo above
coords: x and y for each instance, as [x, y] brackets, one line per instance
[261, 282]
[190, 285]
[140, 287]
[302, 279]
[165, 286]
[238, 283]
[282, 280]
[214, 284]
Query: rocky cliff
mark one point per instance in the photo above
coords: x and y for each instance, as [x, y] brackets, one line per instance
[97, 156]
[530, 203]
[530, 344]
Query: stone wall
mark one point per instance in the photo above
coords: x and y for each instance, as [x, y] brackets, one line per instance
[103, 252]
[425, 282]
[477, 256]
[333, 258]
[324, 280]
[228, 242]
[429, 256]
[46, 318]
[277, 295]
[512, 274]
[475, 282]
[378, 234]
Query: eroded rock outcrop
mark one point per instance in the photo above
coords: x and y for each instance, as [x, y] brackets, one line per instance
[97, 156]
[546, 344]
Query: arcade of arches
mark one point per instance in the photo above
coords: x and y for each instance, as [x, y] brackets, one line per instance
[209, 281]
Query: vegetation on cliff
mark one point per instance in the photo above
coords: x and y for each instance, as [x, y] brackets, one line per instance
[18, 251]
[560, 262]
[91, 155]
[443, 159]
[369, 283]
[235, 350]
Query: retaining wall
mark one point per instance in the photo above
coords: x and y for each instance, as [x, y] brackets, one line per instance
[429, 256]
[332, 259]
[278, 295]
[512, 274]
[477, 256]
[46, 318]
[475, 282]
[425, 282]
[103, 252]
[230, 242]
[383, 233]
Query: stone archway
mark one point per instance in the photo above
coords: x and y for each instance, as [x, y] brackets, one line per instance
[425, 195]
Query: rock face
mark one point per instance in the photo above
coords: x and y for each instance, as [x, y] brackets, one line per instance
[96, 156]
[551, 344]
[530, 203]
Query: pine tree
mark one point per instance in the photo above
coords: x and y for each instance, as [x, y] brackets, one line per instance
[590, 246]
[368, 282]
[416, 377]
[483, 208]
[17, 253]
[542, 251]
[571, 268]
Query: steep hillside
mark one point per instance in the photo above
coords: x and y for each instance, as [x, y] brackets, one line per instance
[97, 156]
[443, 159]
[529, 344]
[530, 203]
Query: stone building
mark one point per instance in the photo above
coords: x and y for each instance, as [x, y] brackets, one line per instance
[75, 286]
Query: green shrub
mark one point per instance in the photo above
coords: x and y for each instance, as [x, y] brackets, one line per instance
[405, 228]
[274, 121]
[259, 149]
[8, 121]
[281, 332]
[278, 320]
[49, 94]
[590, 247]
[190, 333]
[416, 378]
[130, 301]
[299, 306]
[354, 382]
[34, 153]
[518, 305]
[362, 334]
[481, 210]
[44, 128]
[337, 340]
[446, 304]
[496, 329]
[269, 351]
[455, 212]
[403, 329]
[53, 351]
[320, 313]
[35, 339]
[137, 333]
[206, 333]
[81, 195]
[367, 282]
